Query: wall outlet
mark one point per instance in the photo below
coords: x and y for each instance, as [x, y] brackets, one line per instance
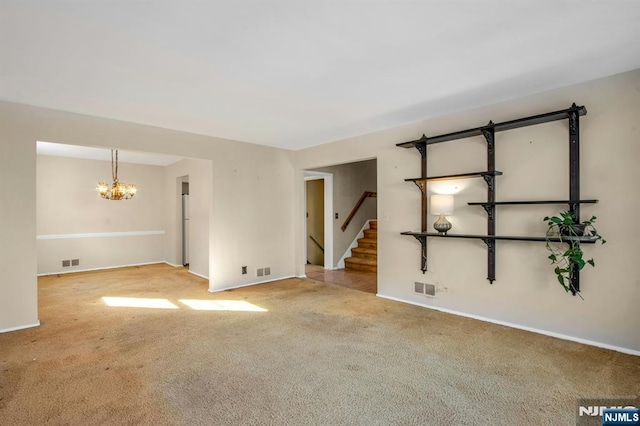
[75, 262]
[66, 263]
[244, 270]
[267, 271]
[260, 272]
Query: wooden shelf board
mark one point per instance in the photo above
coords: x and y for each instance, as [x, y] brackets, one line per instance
[507, 203]
[456, 176]
[586, 240]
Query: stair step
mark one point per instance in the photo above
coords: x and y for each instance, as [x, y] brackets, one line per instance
[371, 233]
[370, 262]
[368, 243]
[359, 264]
[364, 253]
[373, 224]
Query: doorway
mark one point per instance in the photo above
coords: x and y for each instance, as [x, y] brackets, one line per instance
[315, 221]
[323, 237]
[184, 186]
[352, 216]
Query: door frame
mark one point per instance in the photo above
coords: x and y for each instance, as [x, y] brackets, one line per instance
[328, 216]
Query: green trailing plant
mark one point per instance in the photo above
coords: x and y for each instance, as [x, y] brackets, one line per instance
[563, 230]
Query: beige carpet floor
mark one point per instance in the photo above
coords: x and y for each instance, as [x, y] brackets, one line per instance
[292, 352]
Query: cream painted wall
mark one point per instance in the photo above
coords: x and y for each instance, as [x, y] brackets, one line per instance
[534, 161]
[200, 188]
[349, 182]
[78, 209]
[18, 288]
[252, 214]
[251, 220]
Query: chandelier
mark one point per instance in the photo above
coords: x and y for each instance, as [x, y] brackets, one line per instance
[118, 190]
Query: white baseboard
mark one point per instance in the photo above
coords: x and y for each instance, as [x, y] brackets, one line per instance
[301, 276]
[518, 326]
[121, 266]
[20, 327]
[217, 290]
[198, 275]
[101, 268]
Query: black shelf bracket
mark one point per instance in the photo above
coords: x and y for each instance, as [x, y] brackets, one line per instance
[489, 134]
[421, 146]
[422, 185]
[490, 242]
[423, 243]
[490, 211]
[490, 179]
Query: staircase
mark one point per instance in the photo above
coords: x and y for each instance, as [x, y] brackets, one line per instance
[365, 256]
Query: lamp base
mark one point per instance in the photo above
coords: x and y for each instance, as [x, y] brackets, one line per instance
[442, 225]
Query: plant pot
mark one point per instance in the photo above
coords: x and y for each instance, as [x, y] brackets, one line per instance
[575, 230]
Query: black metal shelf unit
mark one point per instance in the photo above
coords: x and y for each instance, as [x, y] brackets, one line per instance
[571, 114]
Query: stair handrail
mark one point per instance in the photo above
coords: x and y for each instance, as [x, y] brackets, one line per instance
[317, 243]
[364, 196]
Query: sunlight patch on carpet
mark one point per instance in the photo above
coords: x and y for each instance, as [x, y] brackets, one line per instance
[138, 302]
[222, 305]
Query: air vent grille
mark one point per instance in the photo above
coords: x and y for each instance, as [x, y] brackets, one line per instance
[424, 288]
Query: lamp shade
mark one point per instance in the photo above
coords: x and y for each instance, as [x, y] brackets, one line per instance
[441, 204]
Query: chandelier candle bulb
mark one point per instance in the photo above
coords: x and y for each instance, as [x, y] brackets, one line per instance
[102, 188]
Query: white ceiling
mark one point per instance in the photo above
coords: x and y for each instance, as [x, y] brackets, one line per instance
[74, 151]
[299, 73]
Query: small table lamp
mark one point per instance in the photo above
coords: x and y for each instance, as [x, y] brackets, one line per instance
[442, 205]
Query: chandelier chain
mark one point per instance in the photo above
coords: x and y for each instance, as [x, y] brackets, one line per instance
[114, 166]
